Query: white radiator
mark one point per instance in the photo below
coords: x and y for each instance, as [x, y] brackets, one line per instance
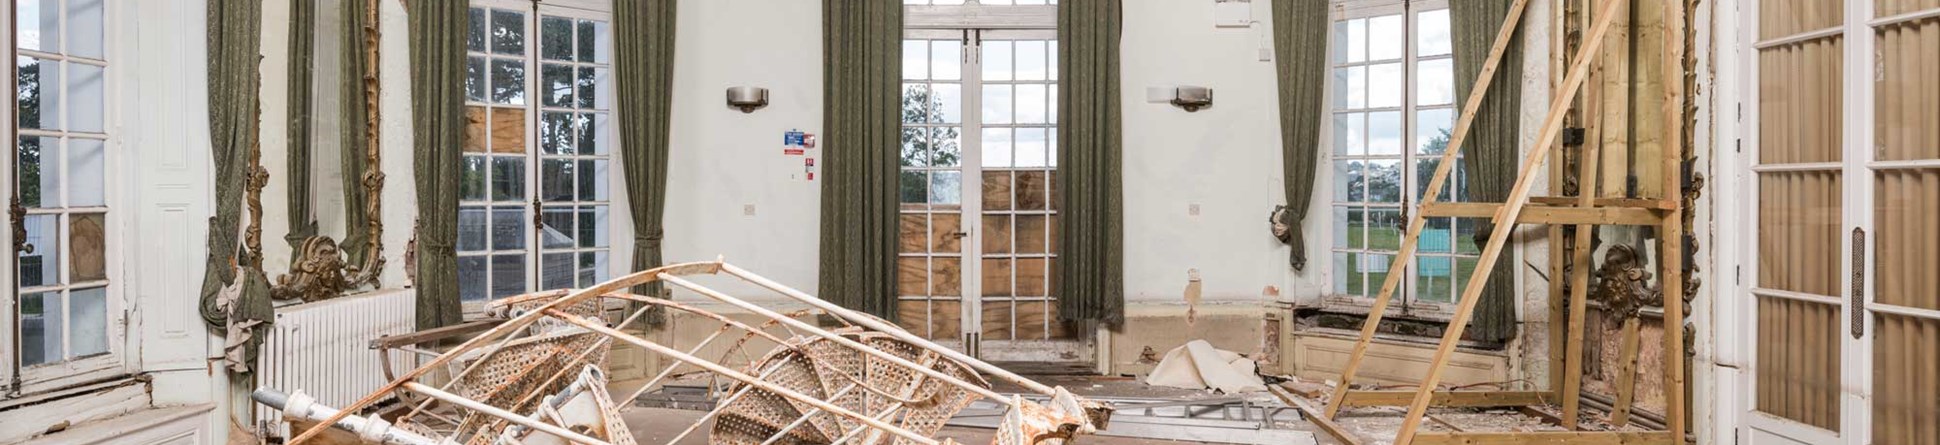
[323, 349]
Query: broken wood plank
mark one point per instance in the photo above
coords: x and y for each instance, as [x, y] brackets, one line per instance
[1518, 197]
[1547, 215]
[1503, 36]
[1471, 399]
[1313, 413]
[1547, 437]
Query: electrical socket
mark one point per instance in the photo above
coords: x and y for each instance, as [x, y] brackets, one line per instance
[1192, 209]
[747, 210]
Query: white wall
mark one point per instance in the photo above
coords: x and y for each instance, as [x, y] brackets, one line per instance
[722, 160]
[1224, 159]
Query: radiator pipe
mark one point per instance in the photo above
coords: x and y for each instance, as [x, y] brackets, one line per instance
[370, 430]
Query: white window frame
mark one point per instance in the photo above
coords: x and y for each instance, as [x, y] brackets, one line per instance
[21, 379]
[1405, 300]
[617, 219]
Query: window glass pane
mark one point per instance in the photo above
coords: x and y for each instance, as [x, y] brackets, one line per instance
[916, 59]
[556, 175]
[590, 81]
[1384, 230]
[471, 229]
[557, 132]
[86, 98]
[556, 270]
[592, 180]
[1434, 278]
[1384, 85]
[1350, 185]
[916, 103]
[39, 23]
[1350, 227]
[39, 167]
[84, 25]
[594, 227]
[87, 246]
[41, 328]
[1356, 40]
[475, 79]
[1433, 32]
[1031, 148]
[996, 147]
[1432, 130]
[915, 147]
[472, 278]
[594, 135]
[508, 275]
[556, 85]
[1376, 268]
[946, 146]
[508, 228]
[38, 91]
[1031, 103]
[88, 321]
[1351, 87]
[946, 104]
[508, 82]
[475, 30]
[1438, 236]
[556, 38]
[1435, 83]
[997, 104]
[508, 178]
[508, 32]
[946, 187]
[1349, 134]
[471, 184]
[1384, 133]
[40, 263]
[84, 171]
[914, 187]
[1384, 180]
[556, 230]
[595, 44]
[946, 60]
[1030, 60]
[1383, 33]
[592, 268]
[996, 60]
[1346, 280]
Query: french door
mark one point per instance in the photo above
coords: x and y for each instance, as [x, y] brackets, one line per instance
[978, 222]
[535, 199]
[1846, 320]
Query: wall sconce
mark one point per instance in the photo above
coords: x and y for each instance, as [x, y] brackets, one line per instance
[747, 98]
[1190, 98]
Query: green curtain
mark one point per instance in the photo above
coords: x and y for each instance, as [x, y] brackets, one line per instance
[1300, 50]
[352, 129]
[1090, 266]
[643, 37]
[303, 31]
[861, 119]
[235, 42]
[1491, 152]
[437, 40]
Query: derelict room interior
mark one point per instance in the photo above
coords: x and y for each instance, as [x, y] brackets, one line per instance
[1016, 222]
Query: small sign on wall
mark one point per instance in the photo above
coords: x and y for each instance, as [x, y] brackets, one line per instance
[795, 142]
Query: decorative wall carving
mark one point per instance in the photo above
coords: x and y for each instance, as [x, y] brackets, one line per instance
[316, 274]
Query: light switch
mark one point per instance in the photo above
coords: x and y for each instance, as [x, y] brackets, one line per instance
[1192, 209]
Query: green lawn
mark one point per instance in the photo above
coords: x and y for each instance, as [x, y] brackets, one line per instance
[1439, 287]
